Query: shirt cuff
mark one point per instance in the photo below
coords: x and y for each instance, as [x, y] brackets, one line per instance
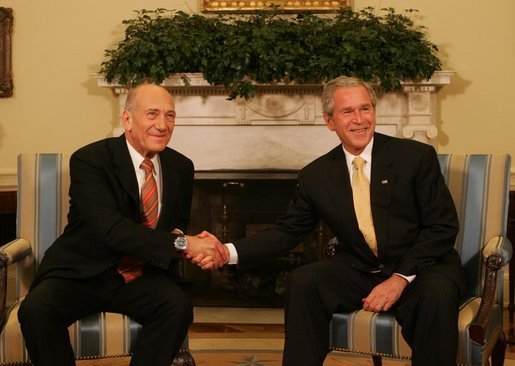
[233, 254]
[407, 278]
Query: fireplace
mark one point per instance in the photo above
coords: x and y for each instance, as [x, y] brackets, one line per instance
[233, 205]
[247, 154]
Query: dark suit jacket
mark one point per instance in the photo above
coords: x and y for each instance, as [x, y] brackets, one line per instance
[414, 216]
[104, 220]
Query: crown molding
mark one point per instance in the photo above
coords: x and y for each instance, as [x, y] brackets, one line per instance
[8, 180]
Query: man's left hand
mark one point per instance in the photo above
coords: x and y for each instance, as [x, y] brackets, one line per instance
[383, 296]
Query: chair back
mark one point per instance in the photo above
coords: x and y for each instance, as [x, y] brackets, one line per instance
[43, 183]
[479, 185]
[43, 202]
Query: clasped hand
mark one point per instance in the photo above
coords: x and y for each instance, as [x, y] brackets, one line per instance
[206, 251]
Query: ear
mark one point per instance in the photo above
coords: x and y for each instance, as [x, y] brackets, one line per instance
[328, 121]
[127, 120]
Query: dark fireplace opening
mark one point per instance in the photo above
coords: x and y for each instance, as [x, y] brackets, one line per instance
[233, 205]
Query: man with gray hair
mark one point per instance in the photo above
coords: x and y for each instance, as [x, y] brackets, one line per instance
[386, 202]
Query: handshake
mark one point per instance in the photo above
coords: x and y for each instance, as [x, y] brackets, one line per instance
[206, 251]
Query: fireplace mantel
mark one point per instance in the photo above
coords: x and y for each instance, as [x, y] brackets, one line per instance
[282, 126]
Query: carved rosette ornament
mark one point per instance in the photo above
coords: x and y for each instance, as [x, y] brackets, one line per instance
[420, 124]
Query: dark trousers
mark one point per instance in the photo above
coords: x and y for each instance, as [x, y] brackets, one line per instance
[427, 311]
[153, 300]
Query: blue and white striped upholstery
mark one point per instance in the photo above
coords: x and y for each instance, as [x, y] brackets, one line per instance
[43, 182]
[479, 185]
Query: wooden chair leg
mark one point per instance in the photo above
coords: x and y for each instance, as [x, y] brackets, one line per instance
[499, 351]
[377, 360]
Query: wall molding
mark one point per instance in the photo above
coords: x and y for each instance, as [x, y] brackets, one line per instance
[8, 180]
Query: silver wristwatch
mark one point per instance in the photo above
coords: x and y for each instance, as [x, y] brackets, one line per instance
[180, 242]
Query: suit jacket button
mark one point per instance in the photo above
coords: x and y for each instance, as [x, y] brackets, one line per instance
[381, 266]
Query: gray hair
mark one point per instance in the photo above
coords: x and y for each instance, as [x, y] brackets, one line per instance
[343, 82]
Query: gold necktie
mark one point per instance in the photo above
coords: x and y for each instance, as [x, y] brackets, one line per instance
[361, 196]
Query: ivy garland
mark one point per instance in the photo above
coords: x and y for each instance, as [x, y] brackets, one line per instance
[239, 52]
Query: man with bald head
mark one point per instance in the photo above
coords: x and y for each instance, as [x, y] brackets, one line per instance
[120, 249]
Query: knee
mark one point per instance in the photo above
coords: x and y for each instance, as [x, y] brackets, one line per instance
[180, 308]
[185, 307]
[442, 294]
[34, 313]
[29, 311]
[303, 279]
[301, 276]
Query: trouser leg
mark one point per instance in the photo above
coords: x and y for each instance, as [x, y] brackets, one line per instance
[45, 314]
[313, 293]
[428, 313]
[306, 326]
[165, 313]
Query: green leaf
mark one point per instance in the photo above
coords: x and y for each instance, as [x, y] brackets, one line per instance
[239, 51]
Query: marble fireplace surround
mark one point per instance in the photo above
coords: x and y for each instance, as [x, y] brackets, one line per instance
[281, 128]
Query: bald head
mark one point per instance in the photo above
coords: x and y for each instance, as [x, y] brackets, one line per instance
[149, 119]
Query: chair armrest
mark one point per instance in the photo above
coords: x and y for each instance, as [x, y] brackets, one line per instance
[496, 253]
[16, 250]
[498, 245]
[10, 253]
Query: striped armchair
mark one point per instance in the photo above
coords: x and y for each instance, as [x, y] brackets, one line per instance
[479, 185]
[43, 181]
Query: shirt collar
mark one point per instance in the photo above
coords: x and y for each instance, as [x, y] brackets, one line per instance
[365, 154]
[137, 159]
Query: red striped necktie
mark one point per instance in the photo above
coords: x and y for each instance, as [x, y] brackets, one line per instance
[132, 268]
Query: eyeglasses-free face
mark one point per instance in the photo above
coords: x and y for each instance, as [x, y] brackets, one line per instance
[353, 118]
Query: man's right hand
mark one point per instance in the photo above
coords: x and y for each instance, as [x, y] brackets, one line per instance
[206, 251]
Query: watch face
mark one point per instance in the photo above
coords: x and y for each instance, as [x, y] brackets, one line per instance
[181, 243]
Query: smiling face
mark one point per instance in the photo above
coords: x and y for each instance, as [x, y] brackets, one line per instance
[353, 118]
[149, 119]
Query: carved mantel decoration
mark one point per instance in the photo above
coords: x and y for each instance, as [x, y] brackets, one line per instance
[283, 5]
[6, 27]
[282, 126]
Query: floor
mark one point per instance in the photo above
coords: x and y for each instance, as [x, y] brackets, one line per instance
[260, 329]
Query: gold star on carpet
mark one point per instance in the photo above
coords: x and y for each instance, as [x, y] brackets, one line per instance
[251, 361]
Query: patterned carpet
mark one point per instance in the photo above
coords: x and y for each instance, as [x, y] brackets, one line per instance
[261, 358]
[273, 358]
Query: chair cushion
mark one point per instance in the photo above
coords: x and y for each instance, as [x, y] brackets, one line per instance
[96, 336]
[384, 338]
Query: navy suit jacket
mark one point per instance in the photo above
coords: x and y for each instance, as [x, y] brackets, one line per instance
[104, 222]
[414, 215]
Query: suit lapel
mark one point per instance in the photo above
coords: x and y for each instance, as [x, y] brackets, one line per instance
[124, 168]
[340, 191]
[382, 180]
